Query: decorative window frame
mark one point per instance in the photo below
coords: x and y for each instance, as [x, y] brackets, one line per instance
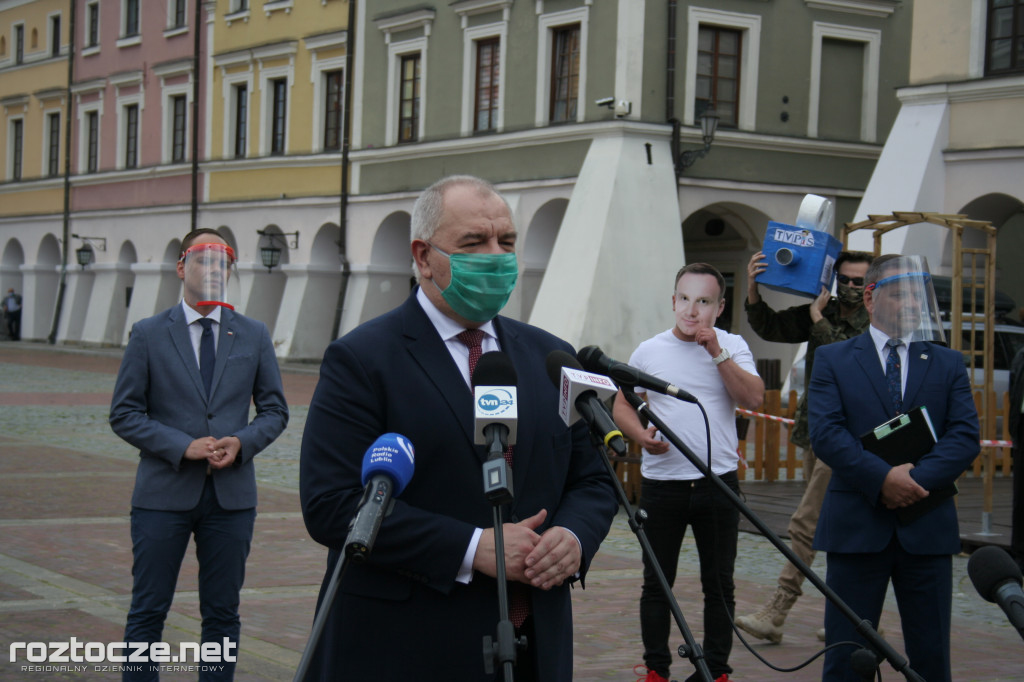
[238, 13]
[83, 135]
[47, 112]
[129, 40]
[229, 93]
[318, 67]
[271, 6]
[13, 57]
[167, 95]
[467, 8]
[546, 23]
[88, 49]
[750, 26]
[171, 30]
[267, 75]
[419, 19]
[879, 9]
[51, 39]
[395, 53]
[129, 81]
[470, 36]
[9, 164]
[872, 39]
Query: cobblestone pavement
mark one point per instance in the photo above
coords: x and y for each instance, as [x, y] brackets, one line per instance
[65, 553]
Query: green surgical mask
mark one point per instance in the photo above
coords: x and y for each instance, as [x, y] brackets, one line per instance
[481, 283]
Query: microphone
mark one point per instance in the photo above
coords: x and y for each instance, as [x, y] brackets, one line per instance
[387, 467]
[495, 410]
[594, 359]
[580, 394]
[997, 578]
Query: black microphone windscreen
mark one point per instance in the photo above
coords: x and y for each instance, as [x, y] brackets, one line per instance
[989, 567]
[494, 369]
[557, 359]
[594, 359]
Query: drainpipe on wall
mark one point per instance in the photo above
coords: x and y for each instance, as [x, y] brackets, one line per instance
[346, 135]
[65, 246]
[670, 85]
[195, 114]
[670, 66]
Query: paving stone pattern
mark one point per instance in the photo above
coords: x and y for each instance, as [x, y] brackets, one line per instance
[65, 551]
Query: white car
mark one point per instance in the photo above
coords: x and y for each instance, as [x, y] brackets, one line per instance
[1008, 340]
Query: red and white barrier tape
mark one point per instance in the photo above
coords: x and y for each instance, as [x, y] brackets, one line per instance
[784, 420]
[770, 417]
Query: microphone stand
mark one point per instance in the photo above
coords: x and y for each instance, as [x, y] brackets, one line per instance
[690, 649]
[498, 489]
[875, 641]
[349, 552]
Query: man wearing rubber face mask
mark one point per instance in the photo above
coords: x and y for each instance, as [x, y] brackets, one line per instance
[431, 572]
[825, 320]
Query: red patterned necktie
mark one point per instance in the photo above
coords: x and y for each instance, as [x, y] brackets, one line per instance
[519, 596]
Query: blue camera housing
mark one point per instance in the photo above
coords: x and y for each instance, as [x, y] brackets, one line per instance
[800, 261]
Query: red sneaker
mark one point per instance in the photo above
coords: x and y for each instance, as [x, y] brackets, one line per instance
[651, 676]
[723, 678]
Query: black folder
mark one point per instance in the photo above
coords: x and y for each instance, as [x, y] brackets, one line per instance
[905, 439]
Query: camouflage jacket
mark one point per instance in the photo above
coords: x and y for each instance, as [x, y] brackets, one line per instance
[793, 325]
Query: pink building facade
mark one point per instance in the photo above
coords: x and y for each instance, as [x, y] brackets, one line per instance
[133, 127]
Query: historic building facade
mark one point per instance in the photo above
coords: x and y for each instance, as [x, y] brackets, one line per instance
[579, 110]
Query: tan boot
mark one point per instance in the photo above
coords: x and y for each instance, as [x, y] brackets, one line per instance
[767, 623]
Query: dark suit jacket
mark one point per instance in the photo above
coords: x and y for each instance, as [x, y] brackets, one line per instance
[1016, 392]
[401, 615]
[160, 406]
[849, 397]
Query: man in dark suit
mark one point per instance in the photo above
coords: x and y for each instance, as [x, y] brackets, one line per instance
[1017, 434]
[419, 607]
[856, 385]
[182, 397]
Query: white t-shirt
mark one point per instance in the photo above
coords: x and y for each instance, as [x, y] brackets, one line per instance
[688, 366]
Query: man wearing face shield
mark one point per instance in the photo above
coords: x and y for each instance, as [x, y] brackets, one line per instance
[429, 581]
[825, 320]
[182, 398]
[896, 366]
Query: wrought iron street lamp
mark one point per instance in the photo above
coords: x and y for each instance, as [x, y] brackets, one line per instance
[708, 125]
[270, 253]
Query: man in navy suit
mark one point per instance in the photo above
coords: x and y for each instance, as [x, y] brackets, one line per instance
[1016, 407]
[419, 607]
[182, 397]
[855, 386]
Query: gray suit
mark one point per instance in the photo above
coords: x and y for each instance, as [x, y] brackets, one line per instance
[160, 406]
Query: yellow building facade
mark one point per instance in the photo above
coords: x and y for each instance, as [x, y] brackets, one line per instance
[277, 78]
[33, 101]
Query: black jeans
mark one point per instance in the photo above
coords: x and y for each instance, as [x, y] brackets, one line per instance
[671, 506]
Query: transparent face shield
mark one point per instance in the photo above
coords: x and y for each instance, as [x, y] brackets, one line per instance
[207, 275]
[904, 303]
